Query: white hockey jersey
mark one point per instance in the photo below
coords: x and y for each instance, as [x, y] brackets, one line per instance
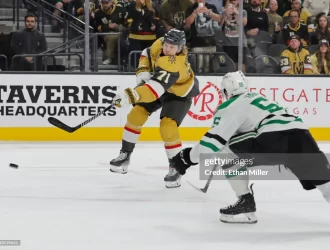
[249, 114]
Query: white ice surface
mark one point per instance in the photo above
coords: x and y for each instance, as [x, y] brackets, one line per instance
[64, 197]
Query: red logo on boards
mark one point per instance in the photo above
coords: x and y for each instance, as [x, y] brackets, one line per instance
[206, 103]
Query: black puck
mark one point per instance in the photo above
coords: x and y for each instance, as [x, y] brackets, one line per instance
[12, 165]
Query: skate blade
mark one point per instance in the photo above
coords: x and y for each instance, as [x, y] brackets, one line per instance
[244, 218]
[172, 184]
[117, 172]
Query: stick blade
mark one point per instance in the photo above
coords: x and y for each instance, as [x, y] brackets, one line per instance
[198, 189]
[57, 123]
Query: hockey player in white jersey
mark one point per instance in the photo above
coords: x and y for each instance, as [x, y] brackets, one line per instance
[249, 123]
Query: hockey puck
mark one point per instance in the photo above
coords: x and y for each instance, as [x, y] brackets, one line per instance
[12, 165]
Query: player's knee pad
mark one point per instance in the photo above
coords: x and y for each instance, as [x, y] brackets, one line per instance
[137, 117]
[169, 130]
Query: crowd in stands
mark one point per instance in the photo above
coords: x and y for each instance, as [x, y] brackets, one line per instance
[279, 36]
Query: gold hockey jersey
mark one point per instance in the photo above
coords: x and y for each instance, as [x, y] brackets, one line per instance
[171, 74]
[298, 63]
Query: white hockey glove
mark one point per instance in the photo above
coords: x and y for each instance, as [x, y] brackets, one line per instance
[129, 96]
[142, 76]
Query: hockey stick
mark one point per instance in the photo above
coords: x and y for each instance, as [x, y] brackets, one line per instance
[206, 187]
[57, 123]
[204, 190]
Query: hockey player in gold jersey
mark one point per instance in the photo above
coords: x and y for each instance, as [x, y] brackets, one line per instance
[165, 80]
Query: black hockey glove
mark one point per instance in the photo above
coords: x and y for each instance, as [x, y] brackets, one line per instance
[181, 162]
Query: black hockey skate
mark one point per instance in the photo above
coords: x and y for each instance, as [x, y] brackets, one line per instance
[121, 163]
[245, 206]
[173, 178]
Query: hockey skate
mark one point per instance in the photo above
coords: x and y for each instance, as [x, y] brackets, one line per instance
[173, 178]
[121, 163]
[242, 212]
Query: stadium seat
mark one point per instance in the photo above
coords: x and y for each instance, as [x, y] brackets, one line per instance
[222, 63]
[286, 20]
[267, 65]
[219, 37]
[280, 38]
[276, 49]
[312, 49]
[250, 66]
[263, 36]
[262, 48]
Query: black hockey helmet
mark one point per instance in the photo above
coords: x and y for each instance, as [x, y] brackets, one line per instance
[175, 37]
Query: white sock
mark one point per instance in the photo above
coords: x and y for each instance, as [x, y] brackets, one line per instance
[325, 190]
[239, 183]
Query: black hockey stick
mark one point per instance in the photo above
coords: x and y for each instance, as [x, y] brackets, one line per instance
[204, 190]
[63, 126]
[206, 187]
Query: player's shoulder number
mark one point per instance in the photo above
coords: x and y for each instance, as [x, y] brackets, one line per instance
[266, 105]
[216, 121]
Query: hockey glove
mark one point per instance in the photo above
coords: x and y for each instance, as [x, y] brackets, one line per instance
[143, 77]
[181, 162]
[142, 74]
[129, 96]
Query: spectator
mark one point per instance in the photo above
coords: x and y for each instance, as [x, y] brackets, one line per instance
[257, 19]
[125, 3]
[275, 20]
[202, 20]
[172, 13]
[230, 24]
[294, 27]
[322, 29]
[29, 41]
[295, 59]
[246, 4]
[141, 17]
[110, 19]
[321, 59]
[93, 6]
[66, 5]
[304, 15]
[316, 6]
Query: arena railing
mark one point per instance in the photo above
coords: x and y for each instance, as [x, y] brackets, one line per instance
[91, 55]
[70, 21]
[13, 18]
[44, 56]
[64, 50]
[75, 41]
[94, 52]
[218, 62]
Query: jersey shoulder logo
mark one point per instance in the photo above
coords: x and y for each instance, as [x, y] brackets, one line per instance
[172, 59]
